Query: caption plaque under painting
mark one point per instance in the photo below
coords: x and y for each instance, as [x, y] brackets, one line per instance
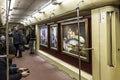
[70, 38]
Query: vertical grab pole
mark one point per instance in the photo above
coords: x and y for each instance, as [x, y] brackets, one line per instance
[78, 15]
[79, 43]
[7, 40]
[111, 59]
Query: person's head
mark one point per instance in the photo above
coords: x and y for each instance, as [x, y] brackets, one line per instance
[21, 31]
[2, 38]
[15, 28]
[12, 51]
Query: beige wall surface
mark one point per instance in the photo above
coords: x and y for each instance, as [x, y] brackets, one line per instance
[95, 44]
[101, 43]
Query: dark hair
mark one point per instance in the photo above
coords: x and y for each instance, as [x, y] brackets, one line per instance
[12, 49]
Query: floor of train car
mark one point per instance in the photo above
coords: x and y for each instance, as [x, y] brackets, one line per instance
[40, 69]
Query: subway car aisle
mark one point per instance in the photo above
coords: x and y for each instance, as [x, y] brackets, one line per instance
[40, 69]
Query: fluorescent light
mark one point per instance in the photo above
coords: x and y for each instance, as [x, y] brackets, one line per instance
[36, 15]
[59, 1]
[10, 12]
[51, 6]
[25, 21]
[30, 19]
[22, 23]
[12, 4]
[41, 12]
[48, 8]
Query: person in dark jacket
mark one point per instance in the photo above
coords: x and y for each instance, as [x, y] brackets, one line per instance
[14, 72]
[23, 39]
[32, 39]
[17, 41]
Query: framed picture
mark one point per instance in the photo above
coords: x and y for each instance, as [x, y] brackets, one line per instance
[71, 36]
[53, 36]
[44, 36]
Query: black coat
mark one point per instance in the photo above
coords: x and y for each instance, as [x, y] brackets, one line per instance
[17, 37]
[32, 35]
[13, 74]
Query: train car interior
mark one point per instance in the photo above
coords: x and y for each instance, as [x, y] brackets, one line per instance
[62, 39]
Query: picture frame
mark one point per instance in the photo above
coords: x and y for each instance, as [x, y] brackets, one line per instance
[44, 36]
[70, 38]
[54, 36]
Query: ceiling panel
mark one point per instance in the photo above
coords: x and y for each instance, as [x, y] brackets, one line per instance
[24, 8]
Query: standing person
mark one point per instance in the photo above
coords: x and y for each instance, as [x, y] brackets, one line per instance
[3, 44]
[24, 41]
[11, 35]
[17, 41]
[14, 72]
[3, 40]
[32, 39]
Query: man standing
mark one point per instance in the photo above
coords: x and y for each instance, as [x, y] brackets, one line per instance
[31, 41]
[17, 41]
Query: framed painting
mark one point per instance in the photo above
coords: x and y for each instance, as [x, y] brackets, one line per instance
[74, 37]
[44, 36]
[54, 36]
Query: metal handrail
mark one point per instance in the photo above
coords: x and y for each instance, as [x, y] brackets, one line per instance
[3, 56]
[86, 49]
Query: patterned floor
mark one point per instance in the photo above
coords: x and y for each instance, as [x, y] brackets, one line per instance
[40, 69]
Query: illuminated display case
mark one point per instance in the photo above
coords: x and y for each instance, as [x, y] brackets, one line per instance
[44, 35]
[70, 38]
[54, 36]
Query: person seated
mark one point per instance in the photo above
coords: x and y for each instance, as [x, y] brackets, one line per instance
[14, 72]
